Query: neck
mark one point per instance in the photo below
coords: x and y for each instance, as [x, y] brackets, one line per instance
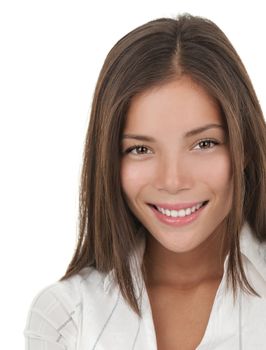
[184, 270]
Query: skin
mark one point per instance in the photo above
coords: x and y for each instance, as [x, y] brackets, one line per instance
[183, 264]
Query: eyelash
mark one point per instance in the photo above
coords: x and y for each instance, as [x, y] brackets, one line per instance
[132, 148]
[214, 142]
[135, 147]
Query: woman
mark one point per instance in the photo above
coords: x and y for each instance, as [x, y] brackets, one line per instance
[171, 252]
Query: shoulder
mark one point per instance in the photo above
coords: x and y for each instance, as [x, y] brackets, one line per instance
[55, 313]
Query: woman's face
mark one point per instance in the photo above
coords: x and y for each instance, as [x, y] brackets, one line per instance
[175, 167]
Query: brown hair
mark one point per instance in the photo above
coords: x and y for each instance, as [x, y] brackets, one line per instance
[152, 54]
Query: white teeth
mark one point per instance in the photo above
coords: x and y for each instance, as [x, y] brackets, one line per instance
[167, 212]
[182, 213]
[174, 213]
[188, 211]
[179, 213]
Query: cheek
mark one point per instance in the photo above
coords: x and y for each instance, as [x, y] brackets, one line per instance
[221, 172]
[134, 176]
[215, 171]
[220, 182]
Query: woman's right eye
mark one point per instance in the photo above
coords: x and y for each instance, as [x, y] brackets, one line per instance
[137, 149]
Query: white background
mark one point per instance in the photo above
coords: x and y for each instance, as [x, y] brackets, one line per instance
[51, 52]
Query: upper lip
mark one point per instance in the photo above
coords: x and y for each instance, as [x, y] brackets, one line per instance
[177, 206]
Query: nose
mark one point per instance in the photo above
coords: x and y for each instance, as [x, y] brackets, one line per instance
[173, 175]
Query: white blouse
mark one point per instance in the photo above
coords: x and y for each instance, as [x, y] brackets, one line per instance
[87, 312]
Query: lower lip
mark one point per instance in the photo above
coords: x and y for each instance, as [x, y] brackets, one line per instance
[179, 221]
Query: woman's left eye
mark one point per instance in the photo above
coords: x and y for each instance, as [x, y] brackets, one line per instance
[206, 144]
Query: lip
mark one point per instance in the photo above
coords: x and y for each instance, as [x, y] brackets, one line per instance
[179, 221]
[177, 206]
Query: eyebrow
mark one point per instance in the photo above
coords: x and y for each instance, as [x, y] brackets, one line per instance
[187, 134]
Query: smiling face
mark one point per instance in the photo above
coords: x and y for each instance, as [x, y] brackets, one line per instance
[175, 167]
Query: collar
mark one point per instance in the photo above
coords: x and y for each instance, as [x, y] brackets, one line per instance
[253, 249]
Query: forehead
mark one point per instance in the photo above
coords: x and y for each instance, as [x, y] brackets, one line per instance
[179, 104]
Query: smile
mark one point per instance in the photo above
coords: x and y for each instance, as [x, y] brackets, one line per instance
[180, 213]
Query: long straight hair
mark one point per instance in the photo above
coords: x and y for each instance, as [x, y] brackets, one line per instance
[151, 55]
